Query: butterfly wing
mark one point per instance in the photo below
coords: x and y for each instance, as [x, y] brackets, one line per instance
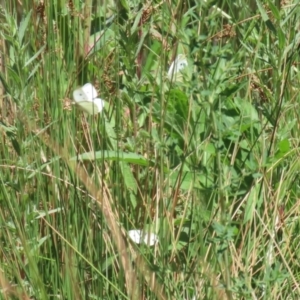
[85, 98]
[90, 91]
[180, 65]
[177, 65]
[150, 239]
[79, 95]
[99, 104]
[135, 235]
[139, 236]
[91, 108]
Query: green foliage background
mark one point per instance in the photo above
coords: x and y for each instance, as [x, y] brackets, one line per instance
[207, 159]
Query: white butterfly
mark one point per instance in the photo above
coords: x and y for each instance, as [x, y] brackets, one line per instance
[177, 65]
[85, 98]
[139, 237]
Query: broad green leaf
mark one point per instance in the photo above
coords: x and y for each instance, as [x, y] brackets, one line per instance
[130, 182]
[190, 180]
[128, 157]
[284, 146]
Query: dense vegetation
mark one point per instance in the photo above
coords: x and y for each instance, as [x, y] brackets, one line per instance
[205, 158]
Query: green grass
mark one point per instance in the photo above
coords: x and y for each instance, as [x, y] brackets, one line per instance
[206, 159]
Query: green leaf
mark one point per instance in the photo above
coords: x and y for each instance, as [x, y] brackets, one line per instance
[251, 203]
[265, 17]
[124, 4]
[136, 22]
[190, 180]
[284, 146]
[100, 39]
[23, 26]
[128, 157]
[11, 134]
[30, 60]
[230, 89]
[130, 182]
[5, 84]
[281, 38]
[274, 9]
